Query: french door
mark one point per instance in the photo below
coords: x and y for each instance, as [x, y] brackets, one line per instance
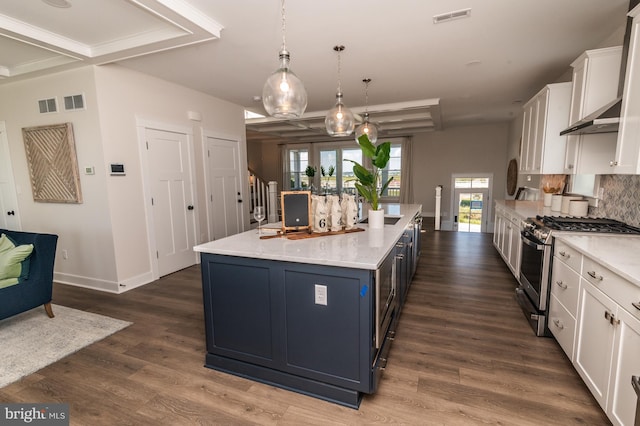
[471, 196]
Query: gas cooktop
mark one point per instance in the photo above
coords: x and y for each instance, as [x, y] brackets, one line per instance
[587, 224]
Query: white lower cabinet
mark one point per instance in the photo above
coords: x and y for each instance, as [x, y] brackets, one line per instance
[621, 404]
[594, 341]
[506, 239]
[607, 340]
[565, 291]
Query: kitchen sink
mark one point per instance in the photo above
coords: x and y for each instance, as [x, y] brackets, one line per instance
[388, 220]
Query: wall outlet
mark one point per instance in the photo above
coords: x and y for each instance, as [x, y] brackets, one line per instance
[321, 294]
[65, 255]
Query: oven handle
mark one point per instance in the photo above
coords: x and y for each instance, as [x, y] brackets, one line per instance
[524, 236]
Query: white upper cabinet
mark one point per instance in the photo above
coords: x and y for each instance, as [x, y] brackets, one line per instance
[595, 83]
[545, 115]
[627, 157]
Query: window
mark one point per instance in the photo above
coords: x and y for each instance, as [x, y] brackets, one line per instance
[393, 169]
[298, 162]
[338, 177]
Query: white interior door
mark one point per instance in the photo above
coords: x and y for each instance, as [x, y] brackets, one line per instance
[172, 199]
[224, 197]
[9, 218]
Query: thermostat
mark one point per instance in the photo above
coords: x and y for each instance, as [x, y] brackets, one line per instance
[117, 170]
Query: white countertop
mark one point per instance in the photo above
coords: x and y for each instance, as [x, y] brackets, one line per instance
[621, 254]
[360, 250]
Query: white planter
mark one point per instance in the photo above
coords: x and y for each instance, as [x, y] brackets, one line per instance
[376, 219]
[547, 199]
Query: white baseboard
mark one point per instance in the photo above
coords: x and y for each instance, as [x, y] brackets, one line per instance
[103, 285]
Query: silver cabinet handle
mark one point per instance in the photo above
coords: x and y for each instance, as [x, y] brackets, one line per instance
[636, 305]
[561, 285]
[564, 254]
[558, 324]
[611, 318]
[613, 163]
[595, 276]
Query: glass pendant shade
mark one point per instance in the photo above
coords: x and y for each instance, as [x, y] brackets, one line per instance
[283, 94]
[370, 129]
[339, 120]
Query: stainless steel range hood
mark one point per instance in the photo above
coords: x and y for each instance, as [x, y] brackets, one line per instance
[603, 120]
[607, 118]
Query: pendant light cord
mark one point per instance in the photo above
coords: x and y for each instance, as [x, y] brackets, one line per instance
[339, 49]
[284, 27]
[366, 94]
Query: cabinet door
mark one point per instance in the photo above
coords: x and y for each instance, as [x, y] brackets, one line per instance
[514, 250]
[628, 146]
[594, 341]
[527, 139]
[540, 124]
[626, 363]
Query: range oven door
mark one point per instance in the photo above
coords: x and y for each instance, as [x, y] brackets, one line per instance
[535, 267]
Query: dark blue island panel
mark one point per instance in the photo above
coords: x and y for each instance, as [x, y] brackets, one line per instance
[263, 321]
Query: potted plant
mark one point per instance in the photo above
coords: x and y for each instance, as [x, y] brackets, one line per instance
[368, 181]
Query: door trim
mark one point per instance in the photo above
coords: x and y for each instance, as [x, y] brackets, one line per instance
[4, 145]
[141, 126]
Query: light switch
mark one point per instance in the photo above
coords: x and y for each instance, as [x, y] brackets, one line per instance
[321, 294]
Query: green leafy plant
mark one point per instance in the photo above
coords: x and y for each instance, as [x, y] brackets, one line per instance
[310, 171]
[367, 180]
[327, 175]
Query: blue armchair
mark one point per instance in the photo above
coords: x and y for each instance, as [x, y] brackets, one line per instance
[37, 288]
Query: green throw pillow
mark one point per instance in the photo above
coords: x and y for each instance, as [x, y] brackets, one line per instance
[26, 263]
[11, 258]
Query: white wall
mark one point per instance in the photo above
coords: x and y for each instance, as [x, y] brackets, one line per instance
[84, 230]
[125, 96]
[105, 236]
[467, 150]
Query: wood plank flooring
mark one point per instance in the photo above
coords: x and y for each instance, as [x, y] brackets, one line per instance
[463, 355]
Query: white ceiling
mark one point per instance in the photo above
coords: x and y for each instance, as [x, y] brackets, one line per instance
[424, 75]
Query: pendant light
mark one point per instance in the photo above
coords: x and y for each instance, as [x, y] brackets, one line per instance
[339, 120]
[283, 94]
[367, 128]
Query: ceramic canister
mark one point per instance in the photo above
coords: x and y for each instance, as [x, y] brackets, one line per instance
[578, 208]
[564, 208]
[556, 203]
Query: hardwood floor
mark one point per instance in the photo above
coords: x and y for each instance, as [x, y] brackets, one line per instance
[463, 355]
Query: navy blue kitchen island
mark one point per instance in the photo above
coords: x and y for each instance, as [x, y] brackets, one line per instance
[315, 316]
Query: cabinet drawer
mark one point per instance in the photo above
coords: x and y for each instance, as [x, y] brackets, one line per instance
[565, 286]
[568, 255]
[562, 325]
[623, 292]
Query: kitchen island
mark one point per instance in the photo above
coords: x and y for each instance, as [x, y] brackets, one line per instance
[312, 315]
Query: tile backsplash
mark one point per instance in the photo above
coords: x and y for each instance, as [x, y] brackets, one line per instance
[621, 199]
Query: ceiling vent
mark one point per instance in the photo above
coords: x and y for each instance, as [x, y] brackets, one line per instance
[73, 102]
[47, 105]
[449, 16]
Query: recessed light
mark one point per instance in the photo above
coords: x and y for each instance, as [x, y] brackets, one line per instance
[473, 62]
[58, 3]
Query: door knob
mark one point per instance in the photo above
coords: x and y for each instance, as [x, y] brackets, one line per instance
[189, 207]
[239, 201]
[11, 213]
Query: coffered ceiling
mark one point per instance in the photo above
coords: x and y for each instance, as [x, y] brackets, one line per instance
[425, 75]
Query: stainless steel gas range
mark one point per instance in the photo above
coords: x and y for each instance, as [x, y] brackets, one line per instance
[536, 259]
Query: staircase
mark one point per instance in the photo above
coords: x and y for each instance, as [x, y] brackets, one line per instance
[263, 193]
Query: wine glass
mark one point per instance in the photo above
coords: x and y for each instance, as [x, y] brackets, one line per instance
[258, 214]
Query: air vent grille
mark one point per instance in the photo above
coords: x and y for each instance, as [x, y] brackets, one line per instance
[73, 102]
[449, 16]
[47, 105]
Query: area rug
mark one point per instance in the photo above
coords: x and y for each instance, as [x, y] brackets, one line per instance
[31, 340]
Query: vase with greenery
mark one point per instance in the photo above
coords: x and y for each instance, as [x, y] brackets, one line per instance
[327, 175]
[368, 181]
[310, 171]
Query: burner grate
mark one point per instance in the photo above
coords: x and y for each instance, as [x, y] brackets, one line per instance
[587, 224]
